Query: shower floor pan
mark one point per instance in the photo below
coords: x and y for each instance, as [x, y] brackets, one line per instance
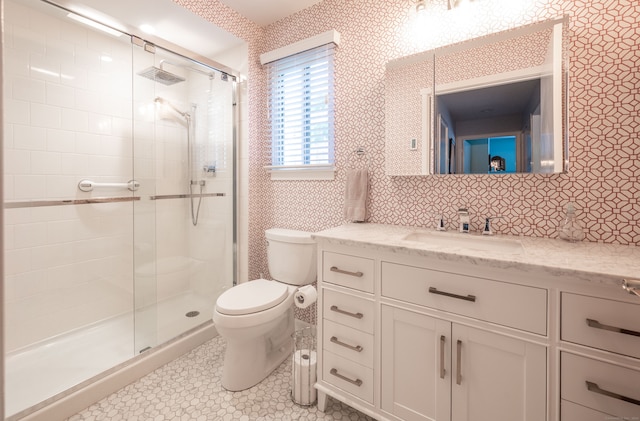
[37, 373]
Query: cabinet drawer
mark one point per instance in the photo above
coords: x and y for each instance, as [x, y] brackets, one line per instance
[348, 376]
[613, 388]
[347, 342]
[600, 323]
[348, 310]
[348, 271]
[572, 412]
[517, 306]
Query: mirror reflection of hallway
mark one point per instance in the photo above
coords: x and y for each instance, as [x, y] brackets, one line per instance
[490, 155]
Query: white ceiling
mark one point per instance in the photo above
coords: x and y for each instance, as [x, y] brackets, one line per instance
[178, 25]
[264, 12]
[172, 23]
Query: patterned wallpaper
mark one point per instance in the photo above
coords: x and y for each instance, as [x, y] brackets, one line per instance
[405, 105]
[604, 119]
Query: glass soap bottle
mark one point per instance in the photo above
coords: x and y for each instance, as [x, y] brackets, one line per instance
[570, 229]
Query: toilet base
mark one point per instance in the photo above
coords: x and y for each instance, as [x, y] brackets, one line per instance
[249, 360]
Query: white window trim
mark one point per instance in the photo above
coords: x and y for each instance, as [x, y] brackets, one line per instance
[306, 172]
[324, 38]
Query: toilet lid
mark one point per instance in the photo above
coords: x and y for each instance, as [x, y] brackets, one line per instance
[251, 297]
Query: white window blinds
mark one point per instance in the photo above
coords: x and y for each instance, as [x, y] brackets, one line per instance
[301, 109]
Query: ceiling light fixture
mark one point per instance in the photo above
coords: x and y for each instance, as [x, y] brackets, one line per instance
[94, 24]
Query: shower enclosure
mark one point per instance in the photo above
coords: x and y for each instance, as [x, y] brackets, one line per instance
[119, 198]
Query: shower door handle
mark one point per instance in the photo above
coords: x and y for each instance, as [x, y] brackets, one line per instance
[88, 185]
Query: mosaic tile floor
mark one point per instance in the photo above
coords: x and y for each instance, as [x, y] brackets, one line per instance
[189, 389]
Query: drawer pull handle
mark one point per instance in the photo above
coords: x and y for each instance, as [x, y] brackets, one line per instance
[337, 341]
[356, 382]
[442, 370]
[346, 272]
[459, 362]
[593, 387]
[598, 325]
[356, 315]
[471, 298]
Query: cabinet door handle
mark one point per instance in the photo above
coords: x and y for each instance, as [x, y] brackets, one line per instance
[346, 272]
[593, 387]
[356, 382]
[356, 315]
[598, 325]
[459, 362]
[471, 298]
[337, 341]
[442, 370]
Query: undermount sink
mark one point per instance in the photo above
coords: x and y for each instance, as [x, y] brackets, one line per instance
[466, 241]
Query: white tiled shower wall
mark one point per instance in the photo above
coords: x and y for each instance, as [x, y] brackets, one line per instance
[67, 117]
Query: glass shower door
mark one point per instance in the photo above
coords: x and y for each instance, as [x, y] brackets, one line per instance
[184, 220]
[67, 202]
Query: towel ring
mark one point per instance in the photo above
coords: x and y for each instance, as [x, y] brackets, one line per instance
[359, 154]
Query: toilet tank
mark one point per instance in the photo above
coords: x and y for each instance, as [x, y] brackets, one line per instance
[291, 256]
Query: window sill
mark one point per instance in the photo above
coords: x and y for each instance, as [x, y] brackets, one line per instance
[302, 173]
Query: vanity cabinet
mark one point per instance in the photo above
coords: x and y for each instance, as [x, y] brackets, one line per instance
[418, 331]
[347, 325]
[402, 341]
[435, 369]
[600, 375]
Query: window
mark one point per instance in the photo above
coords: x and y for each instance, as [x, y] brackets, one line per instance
[301, 114]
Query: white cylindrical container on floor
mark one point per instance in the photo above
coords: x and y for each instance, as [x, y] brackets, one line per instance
[304, 377]
[304, 364]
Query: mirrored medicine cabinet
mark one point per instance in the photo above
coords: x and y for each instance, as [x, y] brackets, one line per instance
[491, 105]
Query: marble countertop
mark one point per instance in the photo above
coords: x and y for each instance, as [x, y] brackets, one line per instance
[593, 262]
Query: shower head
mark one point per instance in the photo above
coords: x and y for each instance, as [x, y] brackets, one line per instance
[160, 75]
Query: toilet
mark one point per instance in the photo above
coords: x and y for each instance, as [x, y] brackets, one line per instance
[256, 318]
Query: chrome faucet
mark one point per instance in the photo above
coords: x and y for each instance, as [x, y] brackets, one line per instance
[463, 214]
[487, 225]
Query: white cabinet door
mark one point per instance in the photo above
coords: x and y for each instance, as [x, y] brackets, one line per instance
[496, 377]
[415, 376]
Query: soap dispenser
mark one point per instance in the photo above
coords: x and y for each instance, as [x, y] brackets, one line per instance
[570, 229]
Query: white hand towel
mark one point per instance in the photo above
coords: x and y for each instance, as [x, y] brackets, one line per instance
[355, 198]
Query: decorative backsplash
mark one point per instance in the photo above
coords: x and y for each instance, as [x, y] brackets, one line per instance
[603, 120]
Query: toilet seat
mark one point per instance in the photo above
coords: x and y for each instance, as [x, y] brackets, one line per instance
[251, 297]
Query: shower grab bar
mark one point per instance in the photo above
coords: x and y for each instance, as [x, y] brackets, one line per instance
[185, 196]
[88, 185]
[43, 203]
